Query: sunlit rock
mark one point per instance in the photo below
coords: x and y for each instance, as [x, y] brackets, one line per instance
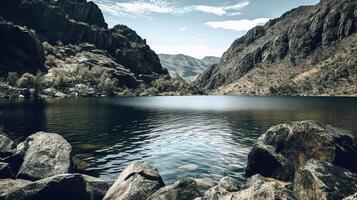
[180, 190]
[322, 181]
[138, 181]
[45, 155]
[286, 147]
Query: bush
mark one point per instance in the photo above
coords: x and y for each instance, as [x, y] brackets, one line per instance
[107, 86]
[27, 80]
[30, 81]
[12, 78]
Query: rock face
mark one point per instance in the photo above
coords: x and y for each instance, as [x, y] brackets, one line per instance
[59, 187]
[45, 155]
[77, 21]
[301, 53]
[20, 50]
[180, 190]
[185, 66]
[138, 181]
[321, 181]
[284, 148]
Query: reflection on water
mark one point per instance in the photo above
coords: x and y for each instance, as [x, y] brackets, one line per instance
[184, 137]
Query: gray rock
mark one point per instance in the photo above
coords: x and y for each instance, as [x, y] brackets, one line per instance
[261, 188]
[226, 185]
[7, 186]
[180, 190]
[46, 154]
[7, 146]
[138, 181]
[59, 187]
[319, 180]
[5, 171]
[286, 147]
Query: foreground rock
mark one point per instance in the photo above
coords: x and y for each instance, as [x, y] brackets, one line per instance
[257, 187]
[138, 181]
[59, 187]
[321, 181]
[45, 155]
[225, 186]
[180, 190]
[7, 146]
[286, 147]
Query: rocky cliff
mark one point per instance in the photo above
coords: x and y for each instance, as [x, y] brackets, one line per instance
[310, 50]
[185, 66]
[75, 53]
[79, 21]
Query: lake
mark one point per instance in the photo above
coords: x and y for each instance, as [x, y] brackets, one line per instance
[203, 137]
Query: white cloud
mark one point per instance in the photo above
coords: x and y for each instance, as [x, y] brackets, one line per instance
[148, 7]
[195, 50]
[196, 39]
[184, 29]
[237, 25]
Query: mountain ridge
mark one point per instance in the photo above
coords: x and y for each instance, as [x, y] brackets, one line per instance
[272, 59]
[186, 66]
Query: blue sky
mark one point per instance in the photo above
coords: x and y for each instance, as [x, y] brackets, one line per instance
[194, 27]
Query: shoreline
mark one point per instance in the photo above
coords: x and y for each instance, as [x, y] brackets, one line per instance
[269, 172]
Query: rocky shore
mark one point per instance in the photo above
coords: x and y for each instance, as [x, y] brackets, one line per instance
[300, 160]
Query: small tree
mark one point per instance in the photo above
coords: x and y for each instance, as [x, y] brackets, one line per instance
[26, 81]
[12, 78]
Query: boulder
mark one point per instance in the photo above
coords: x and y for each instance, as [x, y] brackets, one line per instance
[319, 180]
[20, 50]
[7, 186]
[261, 188]
[7, 146]
[226, 185]
[5, 171]
[180, 190]
[59, 187]
[138, 181]
[45, 155]
[286, 147]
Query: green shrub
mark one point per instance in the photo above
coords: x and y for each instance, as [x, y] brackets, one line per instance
[12, 78]
[27, 80]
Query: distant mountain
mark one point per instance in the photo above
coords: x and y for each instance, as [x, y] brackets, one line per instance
[310, 50]
[186, 66]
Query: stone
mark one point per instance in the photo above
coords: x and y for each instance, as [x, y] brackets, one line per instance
[59, 187]
[138, 181]
[5, 171]
[46, 154]
[7, 146]
[261, 188]
[226, 185]
[180, 190]
[319, 180]
[286, 147]
[7, 186]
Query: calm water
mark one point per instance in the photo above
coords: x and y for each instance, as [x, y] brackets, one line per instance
[184, 137]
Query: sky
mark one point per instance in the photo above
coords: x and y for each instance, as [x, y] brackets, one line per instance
[194, 27]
